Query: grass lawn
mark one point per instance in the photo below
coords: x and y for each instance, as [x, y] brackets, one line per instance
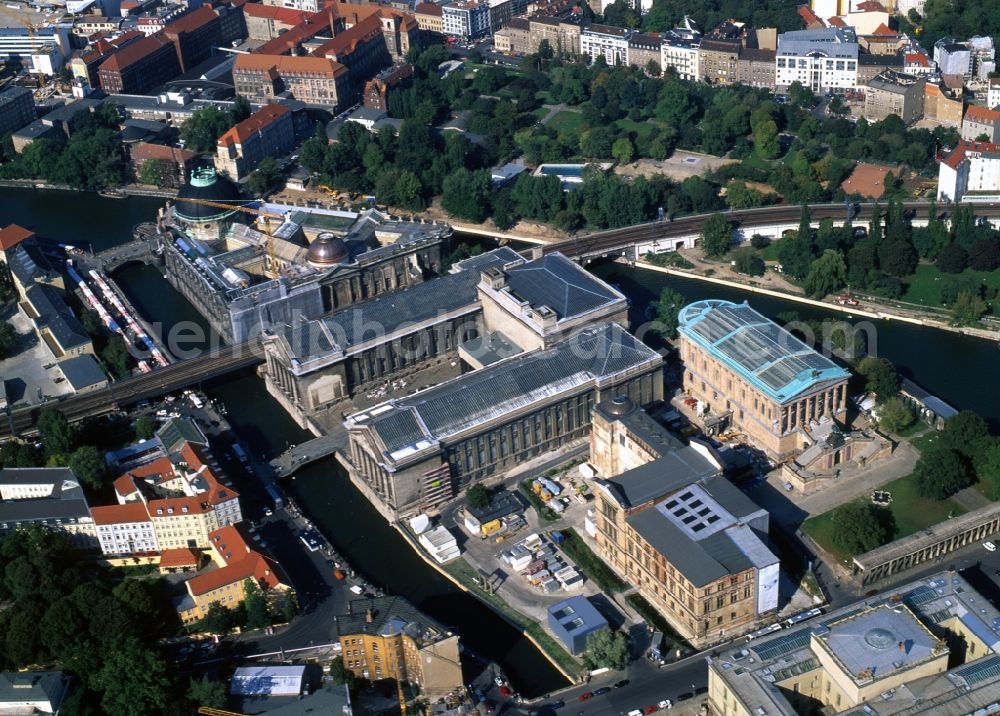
[540, 112]
[641, 129]
[910, 511]
[566, 121]
[589, 563]
[770, 252]
[924, 287]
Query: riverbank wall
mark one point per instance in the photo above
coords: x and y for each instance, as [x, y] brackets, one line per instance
[127, 190]
[866, 312]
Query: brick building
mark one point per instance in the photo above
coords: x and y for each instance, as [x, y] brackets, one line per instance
[718, 54]
[376, 92]
[268, 132]
[173, 164]
[195, 36]
[313, 80]
[266, 22]
[140, 66]
[85, 65]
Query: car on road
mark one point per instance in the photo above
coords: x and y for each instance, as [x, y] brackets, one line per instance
[601, 691]
[268, 512]
[685, 696]
[622, 684]
[558, 704]
[666, 704]
[701, 690]
[990, 547]
[651, 709]
[586, 695]
[635, 712]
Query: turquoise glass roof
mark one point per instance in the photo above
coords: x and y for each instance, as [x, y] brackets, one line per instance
[762, 352]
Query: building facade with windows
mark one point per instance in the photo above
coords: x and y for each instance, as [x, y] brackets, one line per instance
[139, 66]
[680, 53]
[719, 53]
[895, 93]
[313, 80]
[971, 167]
[268, 132]
[821, 60]
[753, 376]
[17, 109]
[388, 638]
[605, 41]
[981, 121]
[562, 34]
[755, 68]
[671, 525]
[466, 18]
[47, 497]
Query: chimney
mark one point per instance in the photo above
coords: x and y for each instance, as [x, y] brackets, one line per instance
[901, 647]
[370, 615]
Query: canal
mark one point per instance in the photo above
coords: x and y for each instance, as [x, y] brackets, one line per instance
[949, 365]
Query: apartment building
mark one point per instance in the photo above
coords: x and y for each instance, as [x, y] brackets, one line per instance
[953, 58]
[236, 562]
[515, 38]
[125, 529]
[561, 33]
[303, 5]
[139, 66]
[979, 121]
[605, 41]
[268, 132]
[719, 52]
[643, 48]
[993, 93]
[87, 25]
[692, 543]
[430, 18]
[753, 376]
[84, 65]
[679, 52]
[313, 80]
[195, 36]
[971, 167]
[821, 60]
[466, 18]
[895, 93]
[173, 165]
[376, 92]
[756, 67]
[388, 638]
[266, 22]
[49, 497]
[17, 109]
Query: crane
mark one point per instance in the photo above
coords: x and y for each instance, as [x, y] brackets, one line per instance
[209, 711]
[266, 215]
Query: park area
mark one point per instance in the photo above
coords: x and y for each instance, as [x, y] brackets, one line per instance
[924, 286]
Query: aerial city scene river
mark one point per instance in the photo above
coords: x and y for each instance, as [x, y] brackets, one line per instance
[607, 358]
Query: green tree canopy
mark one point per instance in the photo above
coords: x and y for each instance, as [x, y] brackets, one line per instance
[747, 261]
[666, 311]
[255, 604]
[716, 235]
[145, 427]
[57, 435]
[965, 433]
[466, 194]
[826, 274]
[895, 415]
[478, 496]
[203, 128]
[880, 377]
[207, 692]
[88, 464]
[940, 472]
[606, 649]
[8, 340]
[861, 527]
[265, 176]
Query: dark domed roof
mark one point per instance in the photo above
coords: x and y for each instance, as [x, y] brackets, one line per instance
[618, 406]
[327, 250]
[206, 185]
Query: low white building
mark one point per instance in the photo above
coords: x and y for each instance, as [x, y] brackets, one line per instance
[605, 41]
[266, 681]
[970, 172]
[440, 544]
[821, 60]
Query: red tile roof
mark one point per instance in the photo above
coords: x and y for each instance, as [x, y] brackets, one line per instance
[964, 147]
[229, 543]
[161, 507]
[119, 514]
[808, 16]
[870, 6]
[12, 234]
[347, 41]
[147, 150]
[192, 21]
[256, 122]
[868, 180]
[981, 115]
[286, 64]
[429, 8]
[836, 22]
[284, 15]
[883, 29]
[179, 557]
[254, 566]
[916, 58]
[134, 52]
[315, 24]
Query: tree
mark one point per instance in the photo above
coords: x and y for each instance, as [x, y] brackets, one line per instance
[765, 139]
[133, 678]
[264, 176]
[989, 470]
[895, 415]
[826, 274]
[145, 427]
[606, 649]
[965, 433]
[478, 496]
[241, 109]
[984, 254]
[748, 262]
[666, 312]
[466, 194]
[203, 128]
[153, 171]
[116, 355]
[255, 604]
[861, 527]
[340, 674]
[8, 340]
[622, 150]
[217, 620]
[716, 235]
[940, 472]
[897, 258]
[880, 377]
[56, 433]
[207, 692]
[87, 463]
[967, 309]
[953, 258]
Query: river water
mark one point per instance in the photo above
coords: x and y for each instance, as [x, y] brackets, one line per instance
[954, 367]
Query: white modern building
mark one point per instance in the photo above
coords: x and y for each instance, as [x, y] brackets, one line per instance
[605, 41]
[44, 47]
[125, 529]
[993, 93]
[466, 19]
[953, 58]
[821, 60]
[680, 51]
[971, 172]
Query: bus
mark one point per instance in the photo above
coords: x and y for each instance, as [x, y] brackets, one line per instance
[240, 452]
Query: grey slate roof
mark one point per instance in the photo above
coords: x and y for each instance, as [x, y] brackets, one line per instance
[35, 686]
[65, 504]
[390, 615]
[180, 430]
[676, 469]
[561, 284]
[35, 475]
[505, 387]
[497, 257]
[82, 372]
[56, 316]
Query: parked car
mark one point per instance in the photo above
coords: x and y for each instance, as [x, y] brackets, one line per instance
[990, 547]
[601, 691]
[558, 704]
[622, 684]
[649, 709]
[586, 695]
[666, 704]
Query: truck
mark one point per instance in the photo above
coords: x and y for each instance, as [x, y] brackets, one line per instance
[240, 452]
